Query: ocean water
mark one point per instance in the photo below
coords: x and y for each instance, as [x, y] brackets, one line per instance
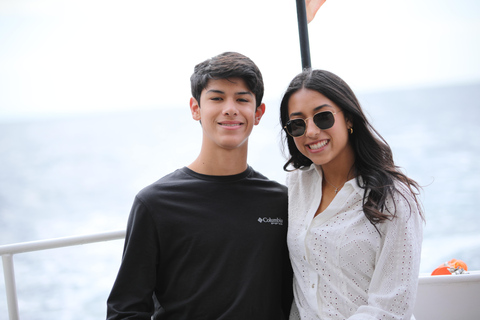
[71, 176]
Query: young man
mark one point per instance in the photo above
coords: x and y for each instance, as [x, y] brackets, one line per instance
[208, 241]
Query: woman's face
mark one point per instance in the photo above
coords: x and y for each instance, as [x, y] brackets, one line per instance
[322, 147]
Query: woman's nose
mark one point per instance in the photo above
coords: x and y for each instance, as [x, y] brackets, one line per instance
[312, 130]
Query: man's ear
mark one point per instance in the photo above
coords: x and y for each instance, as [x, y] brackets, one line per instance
[259, 113]
[195, 109]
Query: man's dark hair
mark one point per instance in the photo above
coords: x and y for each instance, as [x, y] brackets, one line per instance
[225, 66]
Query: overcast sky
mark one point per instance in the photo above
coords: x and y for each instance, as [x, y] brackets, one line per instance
[60, 57]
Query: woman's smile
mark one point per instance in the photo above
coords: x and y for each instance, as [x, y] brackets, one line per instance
[318, 145]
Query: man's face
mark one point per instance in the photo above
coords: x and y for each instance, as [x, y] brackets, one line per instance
[227, 112]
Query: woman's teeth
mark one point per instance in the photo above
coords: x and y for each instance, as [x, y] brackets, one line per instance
[318, 145]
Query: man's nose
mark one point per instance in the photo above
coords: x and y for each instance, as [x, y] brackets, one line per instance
[230, 108]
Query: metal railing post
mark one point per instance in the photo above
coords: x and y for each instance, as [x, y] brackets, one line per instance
[7, 252]
[10, 287]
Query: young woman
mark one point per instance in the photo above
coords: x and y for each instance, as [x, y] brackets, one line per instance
[355, 223]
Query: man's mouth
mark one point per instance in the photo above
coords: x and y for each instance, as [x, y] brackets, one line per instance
[230, 124]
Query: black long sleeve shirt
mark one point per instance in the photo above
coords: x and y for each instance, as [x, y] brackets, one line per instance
[205, 247]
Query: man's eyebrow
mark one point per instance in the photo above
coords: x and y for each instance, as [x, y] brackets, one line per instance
[315, 109]
[215, 91]
[236, 93]
[244, 92]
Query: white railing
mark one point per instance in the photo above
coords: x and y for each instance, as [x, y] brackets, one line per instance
[7, 252]
[438, 297]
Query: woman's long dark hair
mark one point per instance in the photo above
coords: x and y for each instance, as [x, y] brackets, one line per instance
[373, 156]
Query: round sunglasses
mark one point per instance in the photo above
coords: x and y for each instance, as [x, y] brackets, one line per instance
[323, 120]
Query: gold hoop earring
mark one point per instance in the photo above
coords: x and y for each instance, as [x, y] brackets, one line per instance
[350, 130]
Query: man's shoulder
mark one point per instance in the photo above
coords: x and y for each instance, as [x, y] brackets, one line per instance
[165, 183]
[274, 185]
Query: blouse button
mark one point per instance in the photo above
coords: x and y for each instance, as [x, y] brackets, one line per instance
[313, 285]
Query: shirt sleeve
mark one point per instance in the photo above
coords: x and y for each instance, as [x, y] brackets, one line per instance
[132, 292]
[287, 285]
[393, 287]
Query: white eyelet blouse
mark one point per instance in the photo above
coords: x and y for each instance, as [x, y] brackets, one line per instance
[343, 268]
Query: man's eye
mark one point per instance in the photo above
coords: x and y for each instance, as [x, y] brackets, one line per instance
[216, 98]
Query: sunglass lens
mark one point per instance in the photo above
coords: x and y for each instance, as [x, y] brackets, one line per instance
[296, 127]
[324, 120]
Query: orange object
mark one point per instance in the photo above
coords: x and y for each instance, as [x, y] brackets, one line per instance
[453, 266]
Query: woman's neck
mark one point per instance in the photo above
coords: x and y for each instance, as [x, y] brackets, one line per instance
[340, 171]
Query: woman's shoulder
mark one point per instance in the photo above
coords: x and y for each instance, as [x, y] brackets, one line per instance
[404, 202]
[302, 174]
[402, 191]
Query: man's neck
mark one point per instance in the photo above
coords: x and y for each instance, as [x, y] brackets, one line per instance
[223, 163]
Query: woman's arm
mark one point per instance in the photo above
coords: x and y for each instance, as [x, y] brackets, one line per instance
[393, 287]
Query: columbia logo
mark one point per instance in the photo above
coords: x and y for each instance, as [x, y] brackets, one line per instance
[275, 221]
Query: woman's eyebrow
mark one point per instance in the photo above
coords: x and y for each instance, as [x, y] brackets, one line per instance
[321, 107]
[293, 114]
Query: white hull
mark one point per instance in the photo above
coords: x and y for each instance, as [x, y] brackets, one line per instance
[448, 297]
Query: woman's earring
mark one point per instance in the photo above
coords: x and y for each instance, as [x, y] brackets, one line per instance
[350, 130]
